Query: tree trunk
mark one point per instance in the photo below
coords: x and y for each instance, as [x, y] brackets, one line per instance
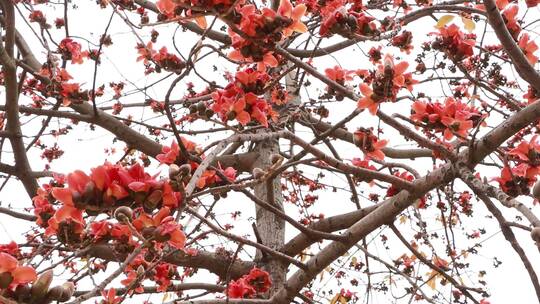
[271, 228]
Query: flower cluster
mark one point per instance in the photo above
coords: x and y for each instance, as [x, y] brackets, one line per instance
[517, 180]
[255, 32]
[403, 41]
[71, 50]
[107, 187]
[148, 266]
[384, 84]
[453, 118]
[339, 75]
[172, 155]
[257, 281]
[454, 42]
[162, 59]
[346, 23]
[171, 9]
[240, 100]
[59, 87]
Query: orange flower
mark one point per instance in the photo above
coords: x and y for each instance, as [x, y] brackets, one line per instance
[165, 226]
[369, 143]
[12, 274]
[528, 47]
[527, 151]
[456, 125]
[367, 101]
[295, 14]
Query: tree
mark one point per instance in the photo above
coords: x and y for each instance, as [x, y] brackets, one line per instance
[267, 152]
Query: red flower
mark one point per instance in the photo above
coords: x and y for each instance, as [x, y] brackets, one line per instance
[452, 118]
[11, 248]
[338, 74]
[367, 102]
[389, 79]
[369, 143]
[363, 163]
[456, 125]
[109, 297]
[286, 10]
[166, 7]
[165, 226]
[146, 52]
[455, 42]
[257, 281]
[121, 232]
[170, 154]
[528, 151]
[518, 180]
[162, 276]
[240, 101]
[240, 289]
[136, 179]
[100, 229]
[528, 47]
[71, 50]
[509, 15]
[13, 275]
[42, 208]
[69, 217]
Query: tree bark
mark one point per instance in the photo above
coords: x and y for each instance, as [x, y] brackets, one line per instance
[270, 227]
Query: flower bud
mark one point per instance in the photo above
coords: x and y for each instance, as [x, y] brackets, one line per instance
[22, 293]
[123, 214]
[68, 289]
[55, 293]
[41, 285]
[201, 106]
[185, 169]
[535, 234]
[174, 170]
[536, 190]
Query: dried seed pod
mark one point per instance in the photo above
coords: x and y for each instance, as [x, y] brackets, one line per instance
[123, 214]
